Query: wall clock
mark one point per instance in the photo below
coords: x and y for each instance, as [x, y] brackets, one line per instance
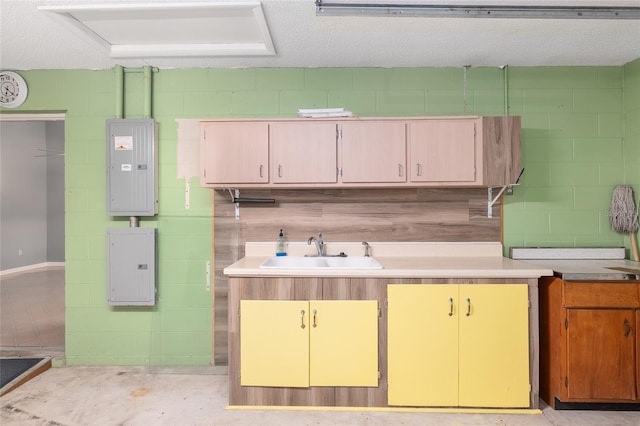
[13, 89]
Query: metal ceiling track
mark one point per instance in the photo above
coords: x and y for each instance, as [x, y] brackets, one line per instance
[333, 8]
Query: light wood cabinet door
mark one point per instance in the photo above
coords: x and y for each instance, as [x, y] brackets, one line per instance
[494, 345]
[422, 345]
[274, 343]
[303, 152]
[443, 151]
[373, 152]
[235, 152]
[344, 343]
[458, 345]
[600, 352]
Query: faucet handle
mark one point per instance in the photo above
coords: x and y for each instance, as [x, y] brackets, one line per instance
[367, 247]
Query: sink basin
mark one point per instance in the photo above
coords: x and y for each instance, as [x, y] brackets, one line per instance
[302, 262]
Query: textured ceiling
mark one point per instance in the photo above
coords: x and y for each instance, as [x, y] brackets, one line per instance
[33, 39]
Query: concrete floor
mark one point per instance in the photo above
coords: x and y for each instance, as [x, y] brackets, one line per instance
[148, 396]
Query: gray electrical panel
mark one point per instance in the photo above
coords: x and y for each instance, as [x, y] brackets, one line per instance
[131, 266]
[132, 167]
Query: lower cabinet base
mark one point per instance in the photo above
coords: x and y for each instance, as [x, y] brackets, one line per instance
[600, 406]
[312, 397]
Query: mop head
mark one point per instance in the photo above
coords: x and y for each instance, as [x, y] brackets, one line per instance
[623, 213]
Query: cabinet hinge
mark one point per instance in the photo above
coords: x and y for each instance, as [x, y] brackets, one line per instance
[566, 381]
[566, 323]
[379, 375]
[379, 312]
[238, 311]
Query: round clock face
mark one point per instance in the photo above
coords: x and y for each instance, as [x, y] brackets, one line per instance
[13, 89]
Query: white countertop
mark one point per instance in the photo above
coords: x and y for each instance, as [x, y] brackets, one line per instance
[399, 260]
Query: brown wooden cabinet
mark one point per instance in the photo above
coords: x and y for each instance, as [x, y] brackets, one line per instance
[588, 341]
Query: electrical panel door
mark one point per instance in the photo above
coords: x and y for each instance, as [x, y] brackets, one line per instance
[131, 266]
[132, 183]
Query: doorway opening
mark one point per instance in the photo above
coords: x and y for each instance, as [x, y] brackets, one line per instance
[32, 246]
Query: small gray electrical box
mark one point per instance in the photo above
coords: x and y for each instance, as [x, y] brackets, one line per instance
[132, 167]
[131, 266]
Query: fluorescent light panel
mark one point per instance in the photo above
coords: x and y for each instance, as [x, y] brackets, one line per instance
[480, 9]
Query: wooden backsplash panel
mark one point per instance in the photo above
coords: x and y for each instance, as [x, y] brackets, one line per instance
[411, 214]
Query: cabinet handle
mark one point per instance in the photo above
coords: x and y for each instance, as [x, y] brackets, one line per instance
[419, 169]
[279, 171]
[451, 306]
[627, 328]
[400, 170]
[315, 312]
[468, 307]
[261, 168]
[302, 319]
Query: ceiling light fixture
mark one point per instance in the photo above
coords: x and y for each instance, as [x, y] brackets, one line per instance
[495, 9]
[170, 29]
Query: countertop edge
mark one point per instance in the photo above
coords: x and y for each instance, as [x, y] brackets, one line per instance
[444, 267]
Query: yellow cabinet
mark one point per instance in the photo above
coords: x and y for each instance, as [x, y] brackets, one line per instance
[458, 345]
[308, 343]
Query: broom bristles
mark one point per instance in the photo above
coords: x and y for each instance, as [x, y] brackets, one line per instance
[623, 213]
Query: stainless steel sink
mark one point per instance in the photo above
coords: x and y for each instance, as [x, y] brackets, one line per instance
[328, 262]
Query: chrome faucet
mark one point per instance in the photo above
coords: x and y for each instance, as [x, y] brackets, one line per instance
[367, 247]
[319, 244]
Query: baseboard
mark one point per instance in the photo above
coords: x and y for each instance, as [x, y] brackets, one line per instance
[29, 268]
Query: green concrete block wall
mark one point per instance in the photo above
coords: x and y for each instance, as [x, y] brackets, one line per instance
[581, 137]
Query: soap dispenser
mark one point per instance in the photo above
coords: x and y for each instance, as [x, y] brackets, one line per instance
[281, 251]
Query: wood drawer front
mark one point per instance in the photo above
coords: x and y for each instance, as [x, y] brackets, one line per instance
[601, 295]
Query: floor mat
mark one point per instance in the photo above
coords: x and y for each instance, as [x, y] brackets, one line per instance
[11, 368]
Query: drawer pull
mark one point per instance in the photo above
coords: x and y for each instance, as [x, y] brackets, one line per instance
[468, 307]
[315, 313]
[302, 319]
[451, 306]
[627, 328]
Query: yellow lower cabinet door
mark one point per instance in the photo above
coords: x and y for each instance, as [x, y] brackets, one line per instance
[423, 344]
[343, 343]
[494, 345]
[274, 343]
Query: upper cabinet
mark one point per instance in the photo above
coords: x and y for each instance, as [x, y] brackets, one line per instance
[373, 151]
[303, 152]
[443, 151]
[234, 153]
[361, 152]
